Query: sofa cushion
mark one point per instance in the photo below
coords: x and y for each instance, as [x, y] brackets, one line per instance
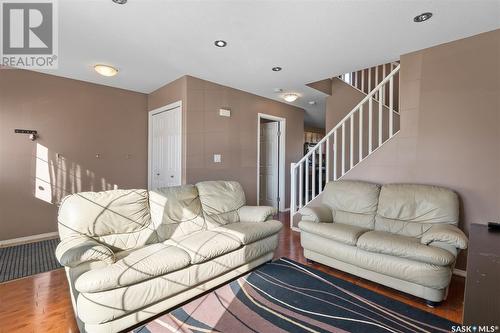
[176, 211]
[404, 247]
[411, 210]
[220, 201]
[247, 233]
[352, 202]
[344, 233]
[205, 245]
[102, 307]
[119, 219]
[134, 266]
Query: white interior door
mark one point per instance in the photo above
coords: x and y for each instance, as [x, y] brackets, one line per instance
[166, 148]
[269, 164]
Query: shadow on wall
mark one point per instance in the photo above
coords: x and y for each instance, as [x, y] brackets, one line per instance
[57, 177]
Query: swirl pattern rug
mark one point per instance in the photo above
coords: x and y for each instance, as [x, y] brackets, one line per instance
[285, 296]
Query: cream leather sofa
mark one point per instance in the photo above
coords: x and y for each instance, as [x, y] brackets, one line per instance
[132, 254]
[399, 235]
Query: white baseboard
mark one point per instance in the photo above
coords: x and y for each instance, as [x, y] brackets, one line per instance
[459, 272]
[28, 239]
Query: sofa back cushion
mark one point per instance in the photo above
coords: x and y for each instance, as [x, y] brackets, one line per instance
[119, 219]
[220, 201]
[411, 210]
[352, 202]
[176, 211]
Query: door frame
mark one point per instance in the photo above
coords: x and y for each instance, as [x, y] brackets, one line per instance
[281, 158]
[151, 113]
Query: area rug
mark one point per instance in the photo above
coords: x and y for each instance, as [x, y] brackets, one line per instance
[28, 259]
[285, 296]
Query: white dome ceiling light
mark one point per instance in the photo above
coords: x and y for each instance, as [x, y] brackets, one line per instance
[105, 70]
[290, 97]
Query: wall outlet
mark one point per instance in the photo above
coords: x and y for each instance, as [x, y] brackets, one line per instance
[217, 158]
[224, 112]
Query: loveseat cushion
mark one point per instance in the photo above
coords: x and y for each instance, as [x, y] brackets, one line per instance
[205, 245]
[344, 233]
[135, 266]
[176, 211]
[352, 202]
[247, 233]
[411, 210]
[220, 201]
[404, 247]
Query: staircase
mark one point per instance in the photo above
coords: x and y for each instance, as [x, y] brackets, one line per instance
[370, 124]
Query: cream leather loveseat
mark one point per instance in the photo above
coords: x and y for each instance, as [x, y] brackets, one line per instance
[131, 254]
[399, 235]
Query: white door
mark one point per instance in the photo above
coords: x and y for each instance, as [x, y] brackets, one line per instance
[166, 148]
[269, 162]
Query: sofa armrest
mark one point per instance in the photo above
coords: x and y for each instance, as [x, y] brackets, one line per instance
[74, 251]
[256, 213]
[445, 233]
[317, 214]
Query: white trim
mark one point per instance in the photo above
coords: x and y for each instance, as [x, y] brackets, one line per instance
[459, 272]
[282, 156]
[151, 113]
[28, 239]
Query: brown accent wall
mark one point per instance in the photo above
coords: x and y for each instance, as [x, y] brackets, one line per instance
[450, 126]
[170, 93]
[324, 86]
[342, 100]
[77, 120]
[235, 137]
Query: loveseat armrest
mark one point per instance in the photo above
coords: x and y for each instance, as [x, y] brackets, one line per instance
[256, 213]
[74, 251]
[317, 214]
[445, 233]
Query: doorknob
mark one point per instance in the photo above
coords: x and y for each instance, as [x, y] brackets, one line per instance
[171, 176]
[158, 174]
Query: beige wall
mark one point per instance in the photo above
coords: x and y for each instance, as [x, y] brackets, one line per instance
[235, 137]
[77, 120]
[450, 126]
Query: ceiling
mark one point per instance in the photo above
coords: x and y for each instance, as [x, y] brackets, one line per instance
[153, 42]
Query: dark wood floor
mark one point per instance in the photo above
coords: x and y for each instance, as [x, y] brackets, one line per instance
[41, 303]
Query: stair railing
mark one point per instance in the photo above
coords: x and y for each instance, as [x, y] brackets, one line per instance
[347, 144]
[366, 79]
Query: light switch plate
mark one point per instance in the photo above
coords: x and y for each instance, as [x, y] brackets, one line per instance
[225, 112]
[217, 158]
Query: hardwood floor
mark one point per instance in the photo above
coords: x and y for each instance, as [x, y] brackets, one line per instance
[41, 303]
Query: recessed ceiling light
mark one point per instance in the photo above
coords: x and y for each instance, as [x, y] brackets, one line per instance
[220, 43]
[120, 2]
[278, 90]
[290, 97]
[105, 70]
[312, 102]
[276, 69]
[422, 17]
